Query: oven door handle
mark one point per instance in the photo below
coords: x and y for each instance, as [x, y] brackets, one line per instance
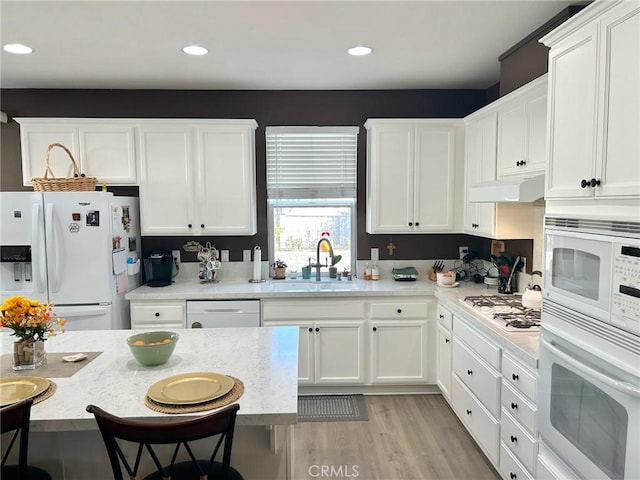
[611, 382]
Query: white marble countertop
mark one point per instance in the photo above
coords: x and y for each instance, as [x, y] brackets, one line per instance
[287, 288]
[264, 358]
[523, 345]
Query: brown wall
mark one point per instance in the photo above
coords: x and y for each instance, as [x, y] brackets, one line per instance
[269, 108]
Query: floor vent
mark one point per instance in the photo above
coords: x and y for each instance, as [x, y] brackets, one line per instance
[332, 408]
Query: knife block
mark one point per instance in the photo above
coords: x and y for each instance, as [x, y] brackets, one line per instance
[432, 275]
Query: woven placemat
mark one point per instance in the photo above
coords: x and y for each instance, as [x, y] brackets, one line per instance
[51, 389]
[54, 368]
[234, 394]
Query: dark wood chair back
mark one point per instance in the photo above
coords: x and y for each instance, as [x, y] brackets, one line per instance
[15, 418]
[147, 435]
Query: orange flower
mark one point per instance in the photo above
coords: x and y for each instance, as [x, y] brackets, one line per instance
[29, 318]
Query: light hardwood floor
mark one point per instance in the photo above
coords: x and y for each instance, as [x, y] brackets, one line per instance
[407, 437]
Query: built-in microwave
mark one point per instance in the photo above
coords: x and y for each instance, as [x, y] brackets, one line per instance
[593, 267]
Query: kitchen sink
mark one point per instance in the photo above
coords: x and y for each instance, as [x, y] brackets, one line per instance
[312, 286]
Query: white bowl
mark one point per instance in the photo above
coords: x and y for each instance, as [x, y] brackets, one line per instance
[446, 278]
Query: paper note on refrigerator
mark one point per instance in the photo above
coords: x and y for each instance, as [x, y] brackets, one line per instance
[119, 261]
[121, 283]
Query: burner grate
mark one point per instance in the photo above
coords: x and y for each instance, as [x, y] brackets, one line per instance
[506, 310]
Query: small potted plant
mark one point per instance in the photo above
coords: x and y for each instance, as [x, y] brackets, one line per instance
[333, 270]
[279, 269]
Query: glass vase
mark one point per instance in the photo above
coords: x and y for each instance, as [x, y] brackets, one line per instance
[28, 354]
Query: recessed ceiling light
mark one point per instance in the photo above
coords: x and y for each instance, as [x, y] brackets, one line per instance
[18, 48]
[195, 50]
[359, 51]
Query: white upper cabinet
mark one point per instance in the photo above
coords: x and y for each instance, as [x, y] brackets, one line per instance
[594, 98]
[198, 178]
[410, 175]
[102, 148]
[480, 166]
[522, 120]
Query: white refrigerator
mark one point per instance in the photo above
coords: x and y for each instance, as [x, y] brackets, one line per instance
[71, 249]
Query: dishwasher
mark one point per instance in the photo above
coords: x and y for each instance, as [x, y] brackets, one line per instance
[223, 313]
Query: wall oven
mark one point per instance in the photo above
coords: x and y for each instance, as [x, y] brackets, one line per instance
[589, 365]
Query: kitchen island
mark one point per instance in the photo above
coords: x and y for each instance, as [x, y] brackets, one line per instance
[65, 439]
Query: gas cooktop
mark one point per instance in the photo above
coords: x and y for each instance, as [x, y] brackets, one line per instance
[506, 311]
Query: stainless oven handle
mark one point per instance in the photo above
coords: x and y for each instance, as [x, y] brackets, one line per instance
[613, 383]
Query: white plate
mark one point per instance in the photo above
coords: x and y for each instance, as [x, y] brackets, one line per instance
[453, 285]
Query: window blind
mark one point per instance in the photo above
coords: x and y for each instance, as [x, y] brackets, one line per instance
[311, 162]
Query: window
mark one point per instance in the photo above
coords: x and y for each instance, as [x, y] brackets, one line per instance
[311, 189]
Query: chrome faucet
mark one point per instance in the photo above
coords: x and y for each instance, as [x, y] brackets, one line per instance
[323, 239]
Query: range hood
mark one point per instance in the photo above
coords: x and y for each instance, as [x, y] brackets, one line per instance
[516, 190]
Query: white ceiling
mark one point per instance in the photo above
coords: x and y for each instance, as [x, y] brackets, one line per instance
[264, 44]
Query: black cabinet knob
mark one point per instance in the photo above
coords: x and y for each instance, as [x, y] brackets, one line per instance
[468, 412]
[310, 329]
[446, 340]
[585, 183]
[521, 163]
[157, 314]
[196, 325]
[513, 475]
[441, 316]
[514, 439]
[375, 329]
[411, 224]
[515, 377]
[399, 310]
[417, 224]
[594, 182]
[469, 372]
[202, 225]
[189, 225]
[514, 406]
[317, 329]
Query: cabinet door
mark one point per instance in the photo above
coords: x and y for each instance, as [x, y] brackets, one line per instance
[444, 361]
[480, 166]
[572, 103]
[305, 348]
[226, 181]
[339, 352]
[522, 133]
[398, 351]
[618, 167]
[511, 141]
[34, 140]
[433, 179]
[108, 153]
[390, 181]
[166, 181]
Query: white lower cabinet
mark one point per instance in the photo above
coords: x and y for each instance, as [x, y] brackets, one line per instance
[332, 341]
[398, 351]
[519, 425]
[510, 468]
[158, 314]
[443, 367]
[480, 423]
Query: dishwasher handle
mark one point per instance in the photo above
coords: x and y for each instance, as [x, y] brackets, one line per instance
[223, 310]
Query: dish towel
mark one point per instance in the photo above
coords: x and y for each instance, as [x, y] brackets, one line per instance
[404, 271]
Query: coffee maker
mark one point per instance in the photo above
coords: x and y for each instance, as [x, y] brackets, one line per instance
[158, 269]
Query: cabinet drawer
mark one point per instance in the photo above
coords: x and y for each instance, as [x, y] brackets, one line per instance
[144, 316]
[519, 377]
[486, 349]
[516, 404]
[483, 382]
[417, 310]
[445, 317]
[519, 441]
[484, 428]
[510, 468]
[301, 310]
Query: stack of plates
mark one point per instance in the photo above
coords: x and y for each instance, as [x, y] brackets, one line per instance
[190, 388]
[491, 281]
[16, 389]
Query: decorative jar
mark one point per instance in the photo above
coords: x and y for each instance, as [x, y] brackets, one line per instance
[29, 354]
